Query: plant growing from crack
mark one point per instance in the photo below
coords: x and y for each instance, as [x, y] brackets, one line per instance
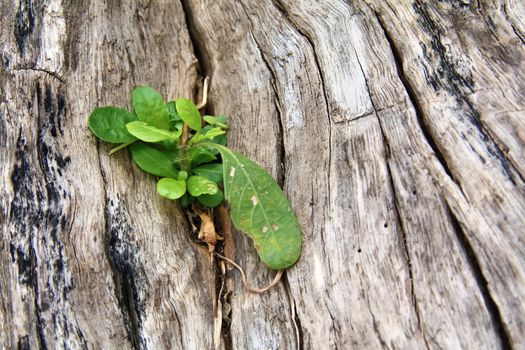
[188, 152]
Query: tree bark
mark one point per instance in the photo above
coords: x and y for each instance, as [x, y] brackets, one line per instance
[396, 128]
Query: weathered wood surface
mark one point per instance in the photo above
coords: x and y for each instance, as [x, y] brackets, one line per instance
[396, 128]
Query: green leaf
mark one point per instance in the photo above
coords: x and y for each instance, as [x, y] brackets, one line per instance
[189, 113]
[211, 200]
[198, 185]
[109, 124]
[206, 134]
[182, 175]
[171, 146]
[212, 172]
[150, 107]
[220, 139]
[186, 200]
[200, 154]
[176, 122]
[172, 111]
[171, 188]
[148, 133]
[260, 209]
[153, 161]
[219, 121]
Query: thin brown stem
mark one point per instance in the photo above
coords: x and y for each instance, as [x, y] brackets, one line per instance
[275, 281]
[184, 137]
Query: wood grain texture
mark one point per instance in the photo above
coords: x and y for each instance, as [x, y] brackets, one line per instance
[396, 129]
[91, 256]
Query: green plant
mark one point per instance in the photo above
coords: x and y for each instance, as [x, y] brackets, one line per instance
[168, 139]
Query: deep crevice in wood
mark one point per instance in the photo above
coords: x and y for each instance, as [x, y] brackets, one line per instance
[198, 44]
[122, 294]
[398, 58]
[293, 313]
[405, 246]
[281, 175]
[222, 295]
[279, 6]
[205, 69]
[398, 219]
[455, 85]
[482, 282]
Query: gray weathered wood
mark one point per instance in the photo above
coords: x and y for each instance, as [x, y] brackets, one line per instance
[396, 129]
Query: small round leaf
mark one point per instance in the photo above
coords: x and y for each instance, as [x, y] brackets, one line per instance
[171, 188]
[211, 200]
[199, 185]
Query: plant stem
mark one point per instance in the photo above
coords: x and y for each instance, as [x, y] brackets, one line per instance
[275, 281]
[121, 146]
[201, 105]
[184, 138]
[204, 94]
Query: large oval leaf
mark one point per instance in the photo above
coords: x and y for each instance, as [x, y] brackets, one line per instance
[153, 161]
[145, 132]
[150, 107]
[109, 124]
[259, 208]
[189, 113]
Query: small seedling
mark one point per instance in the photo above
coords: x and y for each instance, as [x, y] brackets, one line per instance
[188, 152]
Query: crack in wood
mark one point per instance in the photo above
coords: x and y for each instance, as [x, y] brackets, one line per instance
[47, 72]
[120, 288]
[455, 83]
[281, 8]
[382, 341]
[281, 175]
[198, 44]
[402, 230]
[399, 220]
[205, 69]
[516, 31]
[413, 99]
[471, 257]
[294, 314]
